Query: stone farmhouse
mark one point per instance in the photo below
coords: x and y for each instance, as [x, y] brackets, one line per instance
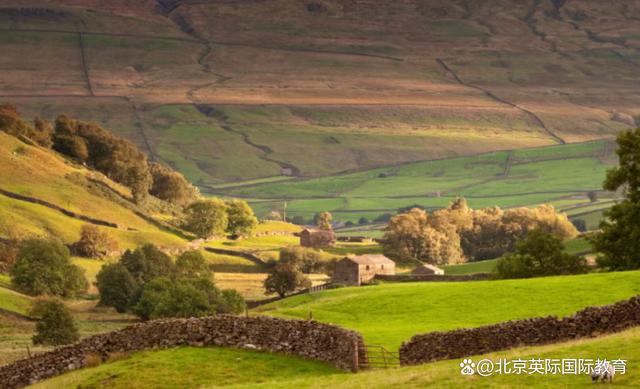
[316, 238]
[361, 269]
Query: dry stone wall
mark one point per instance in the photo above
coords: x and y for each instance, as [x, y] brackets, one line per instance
[433, 277]
[309, 339]
[589, 322]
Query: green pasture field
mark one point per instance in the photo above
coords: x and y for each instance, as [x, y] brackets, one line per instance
[190, 367]
[559, 175]
[486, 266]
[390, 313]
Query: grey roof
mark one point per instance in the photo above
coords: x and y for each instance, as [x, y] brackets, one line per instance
[371, 259]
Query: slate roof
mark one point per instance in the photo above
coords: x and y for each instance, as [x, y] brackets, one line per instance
[371, 259]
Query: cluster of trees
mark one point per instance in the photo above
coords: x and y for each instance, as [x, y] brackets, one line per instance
[458, 233]
[44, 268]
[149, 284]
[116, 157]
[539, 254]
[124, 163]
[214, 217]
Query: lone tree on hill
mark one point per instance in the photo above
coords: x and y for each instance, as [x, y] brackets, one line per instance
[206, 218]
[55, 324]
[241, 218]
[44, 268]
[539, 254]
[94, 242]
[619, 239]
[285, 278]
[323, 221]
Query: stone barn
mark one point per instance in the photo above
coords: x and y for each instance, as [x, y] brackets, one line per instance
[315, 237]
[427, 269]
[361, 269]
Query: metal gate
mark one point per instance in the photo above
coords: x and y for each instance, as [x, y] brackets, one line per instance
[378, 357]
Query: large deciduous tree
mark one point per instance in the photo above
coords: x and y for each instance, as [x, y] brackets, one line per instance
[285, 278]
[618, 242]
[55, 325]
[44, 267]
[539, 254]
[241, 218]
[206, 218]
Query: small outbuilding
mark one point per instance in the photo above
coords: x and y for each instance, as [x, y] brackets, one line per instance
[427, 269]
[361, 269]
[316, 238]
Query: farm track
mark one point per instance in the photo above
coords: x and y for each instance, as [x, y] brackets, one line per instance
[493, 96]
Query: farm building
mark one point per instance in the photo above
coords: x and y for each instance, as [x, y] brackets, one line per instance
[315, 237]
[360, 269]
[427, 269]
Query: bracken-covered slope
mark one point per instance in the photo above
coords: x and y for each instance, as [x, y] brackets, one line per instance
[233, 90]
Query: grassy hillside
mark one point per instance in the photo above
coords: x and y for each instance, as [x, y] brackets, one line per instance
[189, 367]
[13, 301]
[44, 175]
[212, 368]
[559, 175]
[391, 313]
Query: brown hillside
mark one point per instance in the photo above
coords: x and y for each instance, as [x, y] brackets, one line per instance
[229, 90]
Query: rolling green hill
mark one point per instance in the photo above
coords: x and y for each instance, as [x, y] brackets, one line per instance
[388, 314]
[44, 175]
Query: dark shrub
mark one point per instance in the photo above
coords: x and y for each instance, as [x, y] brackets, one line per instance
[44, 268]
[231, 302]
[184, 298]
[147, 262]
[55, 324]
[539, 254]
[94, 242]
[191, 264]
[117, 287]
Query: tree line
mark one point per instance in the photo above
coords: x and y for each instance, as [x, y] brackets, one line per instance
[458, 234]
[98, 148]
